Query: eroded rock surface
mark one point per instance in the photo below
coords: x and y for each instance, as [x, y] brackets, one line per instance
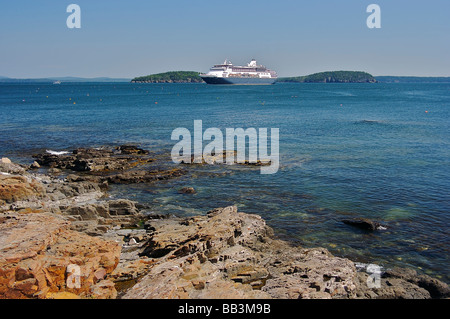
[228, 254]
[36, 251]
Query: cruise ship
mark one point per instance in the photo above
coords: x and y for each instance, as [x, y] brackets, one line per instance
[251, 74]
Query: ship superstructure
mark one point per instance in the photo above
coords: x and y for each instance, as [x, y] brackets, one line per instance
[251, 74]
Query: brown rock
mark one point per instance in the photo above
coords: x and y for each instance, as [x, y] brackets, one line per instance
[38, 250]
[62, 295]
[15, 188]
[103, 290]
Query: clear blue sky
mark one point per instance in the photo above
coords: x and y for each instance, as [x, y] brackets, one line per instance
[131, 38]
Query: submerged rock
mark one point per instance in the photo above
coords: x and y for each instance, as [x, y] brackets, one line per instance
[144, 176]
[187, 190]
[364, 223]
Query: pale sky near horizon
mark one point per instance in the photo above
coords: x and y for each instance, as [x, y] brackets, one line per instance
[133, 38]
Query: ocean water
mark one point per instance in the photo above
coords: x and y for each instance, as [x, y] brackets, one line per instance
[380, 151]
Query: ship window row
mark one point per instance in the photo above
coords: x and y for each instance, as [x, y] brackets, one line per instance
[244, 70]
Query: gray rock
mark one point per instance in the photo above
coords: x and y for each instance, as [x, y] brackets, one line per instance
[11, 168]
[435, 287]
[122, 207]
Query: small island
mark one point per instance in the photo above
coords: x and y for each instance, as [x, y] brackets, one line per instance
[170, 77]
[332, 77]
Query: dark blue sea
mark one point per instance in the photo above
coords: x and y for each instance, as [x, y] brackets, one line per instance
[380, 151]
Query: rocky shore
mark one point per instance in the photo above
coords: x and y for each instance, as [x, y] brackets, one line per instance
[61, 236]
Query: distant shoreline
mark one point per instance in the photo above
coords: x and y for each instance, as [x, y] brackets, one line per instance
[162, 78]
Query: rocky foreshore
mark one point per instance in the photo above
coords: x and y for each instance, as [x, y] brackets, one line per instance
[61, 236]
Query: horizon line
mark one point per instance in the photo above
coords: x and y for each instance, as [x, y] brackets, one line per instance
[130, 78]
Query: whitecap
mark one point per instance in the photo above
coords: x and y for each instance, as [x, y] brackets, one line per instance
[56, 152]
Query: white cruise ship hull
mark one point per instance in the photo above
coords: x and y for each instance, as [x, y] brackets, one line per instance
[238, 81]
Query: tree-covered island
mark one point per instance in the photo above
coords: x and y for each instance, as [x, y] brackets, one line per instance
[332, 77]
[170, 77]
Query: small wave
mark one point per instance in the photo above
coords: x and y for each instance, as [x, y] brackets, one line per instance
[56, 152]
[369, 122]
